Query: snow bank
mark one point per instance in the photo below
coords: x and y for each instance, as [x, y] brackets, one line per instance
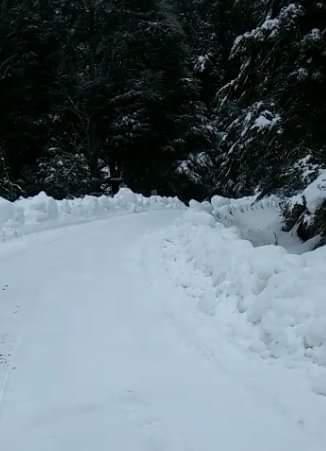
[315, 193]
[223, 252]
[257, 221]
[313, 196]
[274, 301]
[43, 212]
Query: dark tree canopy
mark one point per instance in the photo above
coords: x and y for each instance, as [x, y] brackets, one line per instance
[186, 97]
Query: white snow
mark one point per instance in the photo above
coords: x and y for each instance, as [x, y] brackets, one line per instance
[270, 28]
[165, 330]
[307, 167]
[266, 120]
[201, 63]
[314, 195]
[270, 24]
[280, 296]
[258, 222]
[42, 212]
[314, 35]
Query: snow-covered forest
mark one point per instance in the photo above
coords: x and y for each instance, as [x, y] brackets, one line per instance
[186, 97]
[162, 225]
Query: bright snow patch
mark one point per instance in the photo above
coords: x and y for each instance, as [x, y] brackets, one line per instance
[314, 195]
[281, 296]
[43, 212]
[266, 120]
[137, 333]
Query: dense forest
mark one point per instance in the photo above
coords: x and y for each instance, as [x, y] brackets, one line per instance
[186, 97]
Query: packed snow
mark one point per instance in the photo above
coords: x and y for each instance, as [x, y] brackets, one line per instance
[314, 195]
[149, 326]
[281, 296]
[42, 212]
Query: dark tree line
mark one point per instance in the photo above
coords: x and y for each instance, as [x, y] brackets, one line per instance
[187, 97]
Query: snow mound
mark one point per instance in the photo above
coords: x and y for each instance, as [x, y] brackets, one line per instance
[272, 300]
[313, 196]
[42, 212]
[258, 221]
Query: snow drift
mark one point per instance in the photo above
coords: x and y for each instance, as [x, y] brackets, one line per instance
[274, 301]
[43, 212]
[225, 254]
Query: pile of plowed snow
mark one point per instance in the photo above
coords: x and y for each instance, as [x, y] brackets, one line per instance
[273, 300]
[43, 212]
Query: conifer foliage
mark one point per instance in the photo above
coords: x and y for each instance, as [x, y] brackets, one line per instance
[187, 97]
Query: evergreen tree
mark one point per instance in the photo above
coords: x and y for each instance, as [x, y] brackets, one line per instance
[184, 97]
[270, 110]
[25, 75]
[155, 108]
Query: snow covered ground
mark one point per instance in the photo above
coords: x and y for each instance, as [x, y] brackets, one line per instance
[42, 212]
[165, 330]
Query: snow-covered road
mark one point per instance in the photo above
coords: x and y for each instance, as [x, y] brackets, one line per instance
[105, 359]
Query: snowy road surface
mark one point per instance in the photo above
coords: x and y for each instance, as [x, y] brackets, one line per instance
[105, 360]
